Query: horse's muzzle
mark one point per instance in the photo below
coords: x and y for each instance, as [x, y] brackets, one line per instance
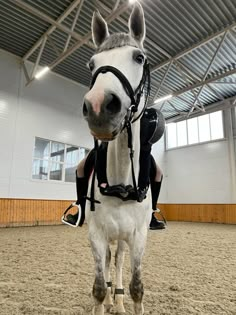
[108, 105]
[103, 115]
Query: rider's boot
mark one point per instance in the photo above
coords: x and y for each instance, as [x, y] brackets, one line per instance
[156, 224]
[81, 189]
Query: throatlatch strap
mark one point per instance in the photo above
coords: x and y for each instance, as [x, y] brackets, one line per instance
[130, 146]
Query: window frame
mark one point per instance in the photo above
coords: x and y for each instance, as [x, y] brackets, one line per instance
[50, 162]
[198, 142]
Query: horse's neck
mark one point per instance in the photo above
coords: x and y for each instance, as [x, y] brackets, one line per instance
[118, 157]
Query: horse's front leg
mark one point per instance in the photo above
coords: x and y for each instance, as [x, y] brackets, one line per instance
[108, 301]
[137, 246]
[99, 246]
[119, 290]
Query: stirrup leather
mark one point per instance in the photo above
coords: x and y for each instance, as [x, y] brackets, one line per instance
[63, 218]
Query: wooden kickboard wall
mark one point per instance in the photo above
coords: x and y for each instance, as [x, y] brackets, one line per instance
[30, 212]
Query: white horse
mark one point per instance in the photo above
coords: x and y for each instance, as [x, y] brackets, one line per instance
[107, 107]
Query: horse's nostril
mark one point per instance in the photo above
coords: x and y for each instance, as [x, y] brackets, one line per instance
[114, 104]
[85, 109]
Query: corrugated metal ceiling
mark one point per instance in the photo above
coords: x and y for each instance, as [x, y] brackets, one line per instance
[173, 27]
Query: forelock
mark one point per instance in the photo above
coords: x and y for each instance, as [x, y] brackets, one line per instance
[118, 40]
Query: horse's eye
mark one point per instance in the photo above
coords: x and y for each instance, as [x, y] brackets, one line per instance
[91, 65]
[139, 59]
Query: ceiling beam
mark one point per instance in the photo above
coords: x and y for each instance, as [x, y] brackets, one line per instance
[87, 37]
[52, 28]
[197, 97]
[221, 105]
[74, 23]
[84, 39]
[196, 46]
[199, 84]
[46, 18]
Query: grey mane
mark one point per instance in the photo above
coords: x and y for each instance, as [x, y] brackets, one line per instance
[119, 40]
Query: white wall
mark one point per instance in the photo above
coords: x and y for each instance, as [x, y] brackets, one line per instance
[48, 108]
[202, 173]
[51, 109]
[199, 174]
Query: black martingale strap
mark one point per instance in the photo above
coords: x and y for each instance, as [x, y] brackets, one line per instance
[92, 191]
[130, 146]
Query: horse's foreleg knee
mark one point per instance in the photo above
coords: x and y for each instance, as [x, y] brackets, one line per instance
[136, 291]
[99, 286]
[136, 286]
[99, 292]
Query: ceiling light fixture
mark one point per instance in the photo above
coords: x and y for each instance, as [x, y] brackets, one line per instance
[164, 98]
[42, 72]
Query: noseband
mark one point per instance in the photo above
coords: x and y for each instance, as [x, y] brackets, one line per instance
[135, 97]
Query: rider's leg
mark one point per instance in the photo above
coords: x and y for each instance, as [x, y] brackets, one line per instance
[156, 176]
[144, 171]
[83, 172]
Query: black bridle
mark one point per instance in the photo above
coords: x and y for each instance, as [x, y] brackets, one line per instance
[135, 97]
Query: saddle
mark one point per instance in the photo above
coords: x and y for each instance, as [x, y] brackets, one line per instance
[152, 127]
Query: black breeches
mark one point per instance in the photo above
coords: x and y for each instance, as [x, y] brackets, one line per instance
[147, 170]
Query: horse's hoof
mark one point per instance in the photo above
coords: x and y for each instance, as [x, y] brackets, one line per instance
[108, 307]
[119, 310]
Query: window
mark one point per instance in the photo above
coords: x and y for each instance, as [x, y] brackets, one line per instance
[204, 128]
[195, 130]
[181, 133]
[55, 160]
[172, 136]
[192, 130]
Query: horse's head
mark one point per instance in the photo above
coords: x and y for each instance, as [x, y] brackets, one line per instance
[117, 75]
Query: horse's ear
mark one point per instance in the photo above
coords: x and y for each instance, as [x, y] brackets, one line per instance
[99, 29]
[137, 26]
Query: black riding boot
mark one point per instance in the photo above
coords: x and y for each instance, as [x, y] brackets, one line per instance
[155, 189]
[81, 189]
[155, 224]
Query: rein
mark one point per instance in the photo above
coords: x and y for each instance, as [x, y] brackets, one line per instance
[135, 97]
